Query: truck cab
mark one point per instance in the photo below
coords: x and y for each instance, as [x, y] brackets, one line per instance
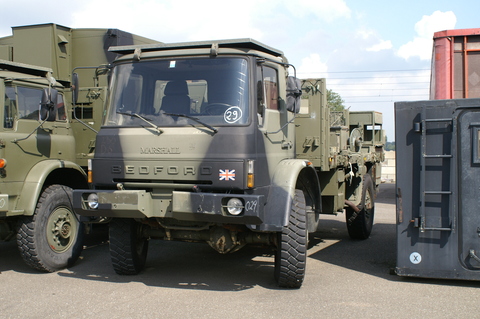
[199, 144]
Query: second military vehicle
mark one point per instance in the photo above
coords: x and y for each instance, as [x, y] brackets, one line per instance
[216, 142]
[45, 140]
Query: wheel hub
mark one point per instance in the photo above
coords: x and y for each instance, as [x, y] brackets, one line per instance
[62, 230]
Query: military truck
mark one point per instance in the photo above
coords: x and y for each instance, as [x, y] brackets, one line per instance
[45, 140]
[217, 142]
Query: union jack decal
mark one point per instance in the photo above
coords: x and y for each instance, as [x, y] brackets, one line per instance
[226, 175]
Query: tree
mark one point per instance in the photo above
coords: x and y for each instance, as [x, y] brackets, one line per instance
[335, 101]
[390, 146]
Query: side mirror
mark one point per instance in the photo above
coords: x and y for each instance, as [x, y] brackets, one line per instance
[294, 94]
[47, 105]
[75, 87]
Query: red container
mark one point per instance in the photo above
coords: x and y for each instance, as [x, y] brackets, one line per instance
[455, 64]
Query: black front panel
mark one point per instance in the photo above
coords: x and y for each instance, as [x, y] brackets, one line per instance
[218, 174]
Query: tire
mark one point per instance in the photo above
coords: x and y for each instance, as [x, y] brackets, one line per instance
[291, 254]
[360, 224]
[128, 249]
[51, 239]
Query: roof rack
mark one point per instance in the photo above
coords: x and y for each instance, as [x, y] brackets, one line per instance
[245, 43]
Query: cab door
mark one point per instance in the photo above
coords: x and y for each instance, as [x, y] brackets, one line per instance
[31, 140]
[275, 141]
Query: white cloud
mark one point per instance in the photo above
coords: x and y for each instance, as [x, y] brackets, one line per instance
[421, 45]
[172, 21]
[383, 45]
[327, 10]
[312, 67]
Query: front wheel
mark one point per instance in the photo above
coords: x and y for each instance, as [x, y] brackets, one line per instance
[291, 254]
[128, 248]
[52, 238]
[360, 225]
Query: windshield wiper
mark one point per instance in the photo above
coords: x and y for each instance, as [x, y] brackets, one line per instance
[142, 118]
[214, 130]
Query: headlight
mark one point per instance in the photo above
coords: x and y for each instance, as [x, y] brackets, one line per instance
[234, 206]
[92, 201]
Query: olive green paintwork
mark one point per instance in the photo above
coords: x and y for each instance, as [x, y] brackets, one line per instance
[306, 153]
[38, 57]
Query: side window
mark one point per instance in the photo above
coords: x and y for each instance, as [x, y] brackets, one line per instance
[61, 113]
[23, 103]
[28, 101]
[270, 84]
[267, 90]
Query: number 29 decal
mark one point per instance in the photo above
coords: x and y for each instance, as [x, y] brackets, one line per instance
[232, 114]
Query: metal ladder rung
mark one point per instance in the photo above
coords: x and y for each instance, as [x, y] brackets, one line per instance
[422, 128]
[438, 120]
[436, 228]
[437, 156]
[437, 192]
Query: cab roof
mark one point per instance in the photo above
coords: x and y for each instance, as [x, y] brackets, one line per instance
[246, 43]
[24, 68]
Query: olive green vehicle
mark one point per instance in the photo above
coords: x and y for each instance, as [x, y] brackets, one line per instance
[217, 142]
[45, 140]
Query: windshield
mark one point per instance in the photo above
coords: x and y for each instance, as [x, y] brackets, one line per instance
[196, 91]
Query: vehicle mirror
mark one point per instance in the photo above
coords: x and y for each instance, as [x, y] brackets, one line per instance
[75, 87]
[294, 94]
[47, 105]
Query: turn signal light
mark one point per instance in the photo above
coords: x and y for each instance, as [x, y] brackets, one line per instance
[3, 163]
[250, 182]
[250, 174]
[89, 177]
[89, 172]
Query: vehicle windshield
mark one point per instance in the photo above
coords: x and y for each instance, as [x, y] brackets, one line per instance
[196, 91]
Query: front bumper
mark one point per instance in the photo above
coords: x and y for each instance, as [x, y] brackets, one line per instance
[205, 207]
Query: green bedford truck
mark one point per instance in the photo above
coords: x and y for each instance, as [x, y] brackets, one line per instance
[45, 140]
[217, 142]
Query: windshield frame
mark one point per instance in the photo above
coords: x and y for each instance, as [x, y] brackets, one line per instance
[228, 114]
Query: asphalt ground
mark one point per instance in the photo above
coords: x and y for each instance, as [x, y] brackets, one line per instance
[344, 279]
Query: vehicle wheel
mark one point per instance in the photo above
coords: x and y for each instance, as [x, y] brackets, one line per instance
[291, 254]
[360, 224]
[52, 238]
[128, 249]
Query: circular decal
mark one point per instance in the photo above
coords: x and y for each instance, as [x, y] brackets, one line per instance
[232, 114]
[415, 258]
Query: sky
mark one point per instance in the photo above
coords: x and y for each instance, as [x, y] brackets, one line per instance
[372, 53]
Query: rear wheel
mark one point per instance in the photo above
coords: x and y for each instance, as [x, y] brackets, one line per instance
[52, 238]
[128, 248]
[360, 224]
[291, 254]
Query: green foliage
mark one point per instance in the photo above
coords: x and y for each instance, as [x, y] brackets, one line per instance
[390, 146]
[335, 101]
